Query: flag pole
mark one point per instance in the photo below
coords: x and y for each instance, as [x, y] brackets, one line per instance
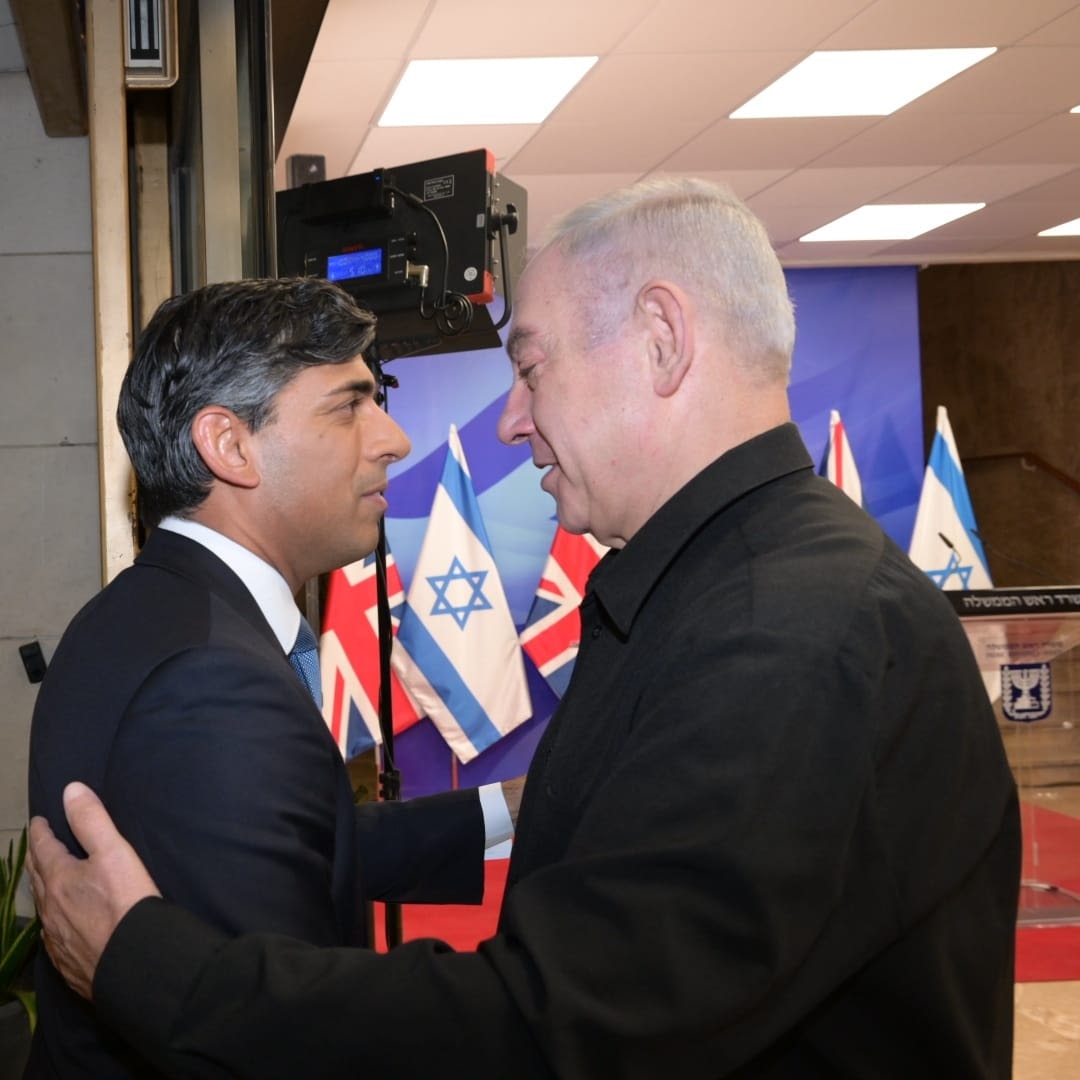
[389, 776]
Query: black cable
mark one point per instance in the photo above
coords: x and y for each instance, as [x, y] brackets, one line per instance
[993, 549]
[505, 222]
[451, 311]
[506, 225]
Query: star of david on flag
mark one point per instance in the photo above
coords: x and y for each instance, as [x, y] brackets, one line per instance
[945, 540]
[839, 464]
[457, 648]
[459, 603]
[553, 629]
[349, 657]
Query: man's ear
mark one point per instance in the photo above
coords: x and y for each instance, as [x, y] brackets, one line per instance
[223, 441]
[668, 315]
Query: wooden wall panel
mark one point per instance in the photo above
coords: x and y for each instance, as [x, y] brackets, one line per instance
[1001, 350]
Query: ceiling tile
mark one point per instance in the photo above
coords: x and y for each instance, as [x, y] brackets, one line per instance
[839, 189]
[1054, 140]
[744, 182]
[828, 253]
[976, 183]
[1041, 247]
[1005, 219]
[471, 28]
[935, 24]
[386, 147]
[374, 29]
[550, 195]
[785, 224]
[676, 26]
[1036, 78]
[599, 147]
[904, 138]
[1062, 31]
[709, 87]
[765, 144]
[953, 247]
[1064, 188]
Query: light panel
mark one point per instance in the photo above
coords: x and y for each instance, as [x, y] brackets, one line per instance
[524, 90]
[858, 82]
[896, 221]
[1069, 228]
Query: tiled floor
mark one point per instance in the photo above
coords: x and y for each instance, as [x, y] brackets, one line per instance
[1047, 1040]
[1047, 1043]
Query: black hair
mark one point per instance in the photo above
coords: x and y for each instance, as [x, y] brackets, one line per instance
[235, 344]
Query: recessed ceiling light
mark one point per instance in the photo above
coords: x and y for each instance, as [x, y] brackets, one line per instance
[858, 82]
[1069, 228]
[891, 222]
[490, 91]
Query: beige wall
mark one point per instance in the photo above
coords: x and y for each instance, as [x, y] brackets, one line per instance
[50, 561]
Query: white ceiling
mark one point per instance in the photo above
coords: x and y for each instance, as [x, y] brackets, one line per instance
[670, 72]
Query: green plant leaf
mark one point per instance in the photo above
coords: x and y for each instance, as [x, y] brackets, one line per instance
[17, 937]
[14, 958]
[9, 878]
[29, 1003]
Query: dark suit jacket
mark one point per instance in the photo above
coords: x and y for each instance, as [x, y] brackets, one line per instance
[171, 697]
[770, 832]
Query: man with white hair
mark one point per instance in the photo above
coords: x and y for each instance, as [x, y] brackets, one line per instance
[770, 830]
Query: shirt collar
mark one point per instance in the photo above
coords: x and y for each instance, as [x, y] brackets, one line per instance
[625, 577]
[269, 589]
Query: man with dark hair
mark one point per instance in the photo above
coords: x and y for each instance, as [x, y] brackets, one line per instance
[769, 832]
[260, 450]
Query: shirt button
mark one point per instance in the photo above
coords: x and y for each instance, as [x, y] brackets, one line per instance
[595, 632]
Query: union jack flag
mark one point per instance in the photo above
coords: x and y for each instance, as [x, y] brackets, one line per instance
[349, 657]
[553, 629]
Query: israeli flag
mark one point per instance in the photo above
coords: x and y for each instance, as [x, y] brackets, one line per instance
[457, 650]
[945, 542]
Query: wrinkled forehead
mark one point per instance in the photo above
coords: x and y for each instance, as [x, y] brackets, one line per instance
[541, 296]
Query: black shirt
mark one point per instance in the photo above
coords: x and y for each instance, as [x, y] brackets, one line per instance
[769, 832]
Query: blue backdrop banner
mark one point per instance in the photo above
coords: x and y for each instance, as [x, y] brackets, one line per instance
[857, 351]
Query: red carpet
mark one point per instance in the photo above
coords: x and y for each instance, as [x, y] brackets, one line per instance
[1052, 856]
[460, 925]
[1043, 953]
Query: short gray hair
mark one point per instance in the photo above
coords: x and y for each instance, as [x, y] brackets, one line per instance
[699, 235]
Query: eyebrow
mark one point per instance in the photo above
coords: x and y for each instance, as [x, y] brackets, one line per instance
[519, 337]
[361, 387]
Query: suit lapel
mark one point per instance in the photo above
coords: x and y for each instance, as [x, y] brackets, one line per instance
[184, 557]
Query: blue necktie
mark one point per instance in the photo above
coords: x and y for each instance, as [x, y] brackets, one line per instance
[304, 657]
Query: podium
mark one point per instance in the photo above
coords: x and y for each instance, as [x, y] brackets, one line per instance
[1027, 644]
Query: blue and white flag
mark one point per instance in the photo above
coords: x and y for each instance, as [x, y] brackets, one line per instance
[457, 649]
[945, 542]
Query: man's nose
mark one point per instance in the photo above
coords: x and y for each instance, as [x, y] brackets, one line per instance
[515, 420]
[396, 443]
